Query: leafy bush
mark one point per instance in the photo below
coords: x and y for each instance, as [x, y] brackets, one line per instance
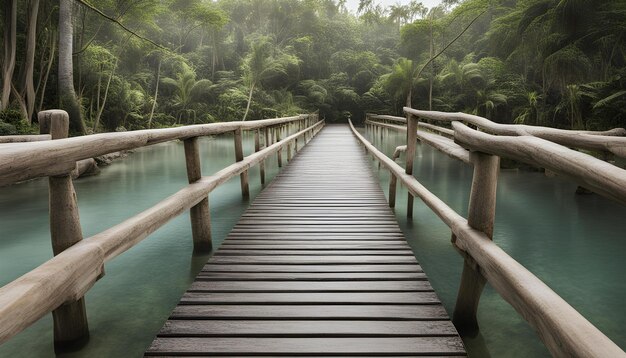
[7, 129]
[13, 123]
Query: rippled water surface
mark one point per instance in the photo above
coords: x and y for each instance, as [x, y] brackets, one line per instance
[576, 244]
[130, 304]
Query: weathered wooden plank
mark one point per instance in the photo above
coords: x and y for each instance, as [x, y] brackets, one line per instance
[205, 298]
[316, 245]
[311, 276]
[212, 267]
[318, 256]
[309, 286]
[286, 328]
[302, 311]
[564, 331]
[312, 252]
[288, 259]
[311, 346]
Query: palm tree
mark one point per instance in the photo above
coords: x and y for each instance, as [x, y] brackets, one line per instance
[401, 80]
[263, 62]
[187, 90]
[530, 113]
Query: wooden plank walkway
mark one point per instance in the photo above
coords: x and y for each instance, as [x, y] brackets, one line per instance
[317, 266]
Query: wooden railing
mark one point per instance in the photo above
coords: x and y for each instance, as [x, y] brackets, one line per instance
[563, 330]
[59, 284]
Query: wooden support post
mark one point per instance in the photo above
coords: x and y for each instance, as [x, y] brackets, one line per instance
[71, 330]
[257, 147]
[411, 141]
[481, 216]
[200, 213]
[279, 153]
[289, 152]
[392, 190]
[245, 189]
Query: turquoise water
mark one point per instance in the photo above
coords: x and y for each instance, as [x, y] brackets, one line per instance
[129, 305]
[574, 243]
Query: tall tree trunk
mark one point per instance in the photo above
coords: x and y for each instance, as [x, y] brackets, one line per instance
[432, 68]
[249, 101]
[156, 94]
[10, 46]
[44, 81]
[31, 37]
[214, 52]
[20, 100]
[106, 94]
[67, 95]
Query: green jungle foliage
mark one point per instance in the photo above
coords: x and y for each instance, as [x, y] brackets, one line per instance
[558, 63]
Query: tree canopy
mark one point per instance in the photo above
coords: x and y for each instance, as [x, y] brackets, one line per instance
[157, 63]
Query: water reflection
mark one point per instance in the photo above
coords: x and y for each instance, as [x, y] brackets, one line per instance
[141, 287]
[574, 243]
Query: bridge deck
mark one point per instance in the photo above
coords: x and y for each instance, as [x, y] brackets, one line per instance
[316, 266]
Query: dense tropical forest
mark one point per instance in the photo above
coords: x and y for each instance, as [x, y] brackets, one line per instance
[132, 64]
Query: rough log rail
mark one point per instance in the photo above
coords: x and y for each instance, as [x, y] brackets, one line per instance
[439, 142]
[59, 284]
[533, 146]
[613, 141]
[317, 266]
[563, 330]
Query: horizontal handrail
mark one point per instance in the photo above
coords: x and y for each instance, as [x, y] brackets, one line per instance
[24, 138]
[439, 142]
[565, 332]
[592, 173]
[612, 141]
[387, 118]
[69, 275]
[22, 161]
[433, 128]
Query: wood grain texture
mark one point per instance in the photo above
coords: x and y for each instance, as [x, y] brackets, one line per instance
[200, 214]
[594, 174]
[24, 138]
[564, 331]
[308, 346]
[439, 142]
[613, 140]
[22, 161]
[70, 274]
[316, 266]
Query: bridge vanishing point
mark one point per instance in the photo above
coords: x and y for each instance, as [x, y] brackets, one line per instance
[317, 265]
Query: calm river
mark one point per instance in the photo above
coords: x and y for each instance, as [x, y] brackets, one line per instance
[574, 243]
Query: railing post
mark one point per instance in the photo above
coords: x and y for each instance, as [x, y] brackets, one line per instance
[257, 147]
[268, 137]
[279, 153]
[245, 189]
[392, 190]
[481, 216]
[200, 213]
[71, 329]
[411, 140]
[289, 151]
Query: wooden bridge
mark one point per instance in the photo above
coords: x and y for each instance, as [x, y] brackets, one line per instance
[317, 265]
